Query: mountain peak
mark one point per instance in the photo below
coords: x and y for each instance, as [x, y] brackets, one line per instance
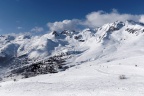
[132, 22]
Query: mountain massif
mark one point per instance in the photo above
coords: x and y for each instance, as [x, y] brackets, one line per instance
[107, 58]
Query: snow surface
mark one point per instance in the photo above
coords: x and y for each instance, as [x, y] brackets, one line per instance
[100, 58]
[88, 79]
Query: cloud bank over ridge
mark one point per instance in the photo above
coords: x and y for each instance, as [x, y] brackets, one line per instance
[93, 20]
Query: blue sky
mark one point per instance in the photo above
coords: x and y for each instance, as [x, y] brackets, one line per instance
[34, 15]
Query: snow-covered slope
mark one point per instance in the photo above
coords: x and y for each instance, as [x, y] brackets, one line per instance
[88, 79]
[105, 61]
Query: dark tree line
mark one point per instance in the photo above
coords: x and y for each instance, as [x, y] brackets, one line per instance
[51, 65]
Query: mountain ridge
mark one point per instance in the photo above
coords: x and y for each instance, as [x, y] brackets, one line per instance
[104, 43]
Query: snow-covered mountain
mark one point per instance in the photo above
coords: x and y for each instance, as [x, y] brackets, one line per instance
[114, 49]
[108, 41]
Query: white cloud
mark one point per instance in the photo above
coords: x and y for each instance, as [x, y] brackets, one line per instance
[94, 19]
[64, 25]
[37, 29]
[142, 19]
[99, 18]
[19, 28]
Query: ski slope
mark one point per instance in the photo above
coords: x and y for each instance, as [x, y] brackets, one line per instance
[88, 79]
